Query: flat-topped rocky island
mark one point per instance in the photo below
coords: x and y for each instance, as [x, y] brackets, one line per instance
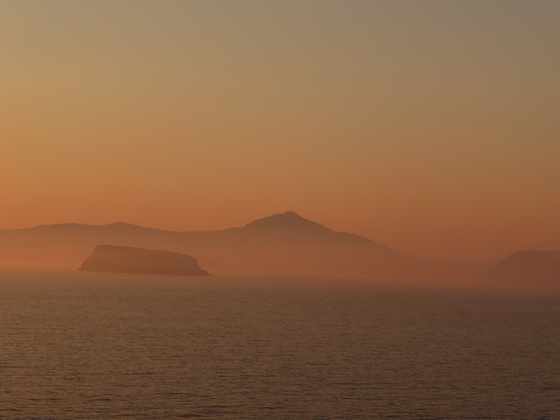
[126, 259]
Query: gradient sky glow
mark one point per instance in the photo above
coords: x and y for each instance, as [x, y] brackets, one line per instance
[430, 126]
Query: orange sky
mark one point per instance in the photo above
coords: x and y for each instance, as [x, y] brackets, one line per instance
[429, 126]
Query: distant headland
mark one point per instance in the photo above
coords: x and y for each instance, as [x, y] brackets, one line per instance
[530, 266]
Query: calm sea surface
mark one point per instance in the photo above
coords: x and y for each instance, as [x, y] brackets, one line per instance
[84, 346]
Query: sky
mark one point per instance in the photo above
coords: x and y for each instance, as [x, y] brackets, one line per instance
[431, 126]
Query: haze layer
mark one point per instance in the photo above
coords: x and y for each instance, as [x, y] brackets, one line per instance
[430, 126]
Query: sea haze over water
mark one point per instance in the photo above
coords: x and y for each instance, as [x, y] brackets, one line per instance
[81, 345]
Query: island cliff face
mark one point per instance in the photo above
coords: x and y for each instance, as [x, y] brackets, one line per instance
[125, 259]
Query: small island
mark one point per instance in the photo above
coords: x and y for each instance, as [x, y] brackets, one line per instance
[125, 259]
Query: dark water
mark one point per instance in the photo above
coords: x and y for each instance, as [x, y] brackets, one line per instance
[78, 346]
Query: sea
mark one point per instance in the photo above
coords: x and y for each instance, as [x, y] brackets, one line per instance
[76, 345]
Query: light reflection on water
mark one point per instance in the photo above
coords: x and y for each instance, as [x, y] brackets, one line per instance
[115, 346]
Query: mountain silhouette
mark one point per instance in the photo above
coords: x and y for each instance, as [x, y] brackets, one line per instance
[285, 243]
[286, 221]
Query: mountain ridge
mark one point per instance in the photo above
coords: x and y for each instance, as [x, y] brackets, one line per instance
[283, 243]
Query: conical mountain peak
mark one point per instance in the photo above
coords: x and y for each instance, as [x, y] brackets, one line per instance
[286, 221]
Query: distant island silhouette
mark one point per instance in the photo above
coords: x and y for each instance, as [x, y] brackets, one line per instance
[529, 266]
[125, 259]
[280, 244]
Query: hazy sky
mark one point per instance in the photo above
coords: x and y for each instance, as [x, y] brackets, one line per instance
[430, 126]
